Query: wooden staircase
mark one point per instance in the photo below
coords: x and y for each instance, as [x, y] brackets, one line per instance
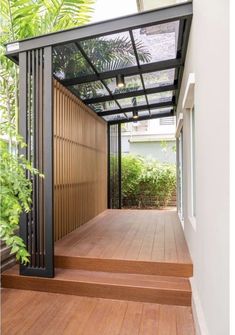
[111, 279]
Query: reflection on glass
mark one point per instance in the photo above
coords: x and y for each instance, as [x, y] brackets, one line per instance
[90, 90]
[160, 111]
[103, 106]
[159, 78]
[159, 40]
[133, 101]
[110, 52]
[114, 117]
[69, 63]
[132, 83]
[160, 97]
[143, 113]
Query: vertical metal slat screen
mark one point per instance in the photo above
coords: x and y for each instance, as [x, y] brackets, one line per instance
[114, 168]
[35, 125]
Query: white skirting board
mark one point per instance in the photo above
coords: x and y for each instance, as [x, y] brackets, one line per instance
[198, 315]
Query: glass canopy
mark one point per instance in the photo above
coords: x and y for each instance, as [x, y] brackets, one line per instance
[148, 57]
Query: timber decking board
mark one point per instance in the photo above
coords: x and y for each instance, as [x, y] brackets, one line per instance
[121, 286]
[40, 313]
[142, 235]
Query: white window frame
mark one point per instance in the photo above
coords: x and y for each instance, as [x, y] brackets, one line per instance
[180, 184]
[188, 107]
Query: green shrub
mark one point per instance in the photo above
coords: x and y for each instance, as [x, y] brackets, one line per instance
[142, 179]
[157, 180]
[132, 167]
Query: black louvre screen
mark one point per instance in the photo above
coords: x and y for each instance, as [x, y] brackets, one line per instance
[115, 166]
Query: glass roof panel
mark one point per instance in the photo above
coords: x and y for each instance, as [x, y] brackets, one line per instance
[132, 83]
[90, 90]
[132, 102]
[143, 113]
[69, 63]
[114, 117]
[159, 78]
[129, 115]
[160, 110]
[110, 52]
[157, 42]
[160, 97]
[103, 106]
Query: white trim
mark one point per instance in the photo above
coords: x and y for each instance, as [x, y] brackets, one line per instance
[198, 315]
[193, 222]
[188, 100]
[179, 125]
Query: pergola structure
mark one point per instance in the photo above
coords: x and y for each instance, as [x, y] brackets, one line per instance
[124, 69]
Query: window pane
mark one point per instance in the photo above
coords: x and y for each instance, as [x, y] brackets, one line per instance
[132, 83]
[160, 111]
[160, 97]
[103, 106]
[114, 117]
[89, 90]
[159, 78]
[132, 102]
[159, 42]
[69, 63]
[110, 52]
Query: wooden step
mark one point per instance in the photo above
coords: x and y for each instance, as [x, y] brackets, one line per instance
[125, 266]
[120, 286]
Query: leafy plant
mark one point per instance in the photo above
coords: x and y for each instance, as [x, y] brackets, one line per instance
[145, 179]
[20, 19]
[15, 197]
[132, 168]
[158, 180]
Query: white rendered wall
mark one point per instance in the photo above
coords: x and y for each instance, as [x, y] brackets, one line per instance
[208, 58]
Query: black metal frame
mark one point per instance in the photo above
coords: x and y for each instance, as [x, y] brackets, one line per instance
[35, 102]
[38, 228]
[180, 12]
[162, 15]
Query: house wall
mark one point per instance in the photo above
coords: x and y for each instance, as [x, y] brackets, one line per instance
[208, 235]
[80, 162]
[150, 149]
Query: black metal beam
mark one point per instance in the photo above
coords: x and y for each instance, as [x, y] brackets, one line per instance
[142, 118]
[108, 167]
[132, 94]
[184, 46]
[137, 108]
[128, 71]
[157, 16]
[120, 165]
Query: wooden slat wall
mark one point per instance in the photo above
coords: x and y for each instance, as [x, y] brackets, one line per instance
[80, 163]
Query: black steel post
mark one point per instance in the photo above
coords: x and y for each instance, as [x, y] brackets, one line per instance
[119, 166]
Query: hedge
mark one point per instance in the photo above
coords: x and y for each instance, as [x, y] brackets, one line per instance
[143, 179]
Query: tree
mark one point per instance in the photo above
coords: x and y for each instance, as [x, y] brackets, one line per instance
[20, 19]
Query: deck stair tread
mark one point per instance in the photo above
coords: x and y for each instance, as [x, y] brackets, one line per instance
[135, 287]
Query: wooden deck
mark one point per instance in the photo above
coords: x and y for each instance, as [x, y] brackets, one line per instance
[150, 240]
[124, 272]
[38, 313]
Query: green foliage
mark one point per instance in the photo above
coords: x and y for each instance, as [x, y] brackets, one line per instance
[132, 168]
[20, 19]
[142, 179]
[15, 197]
[158, 180]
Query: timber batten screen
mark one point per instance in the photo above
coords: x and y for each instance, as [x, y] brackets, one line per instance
[35, 100]
[80, 163]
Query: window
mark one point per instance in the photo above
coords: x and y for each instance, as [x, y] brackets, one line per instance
[193, 169]
[167, 121]
[180, 174]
